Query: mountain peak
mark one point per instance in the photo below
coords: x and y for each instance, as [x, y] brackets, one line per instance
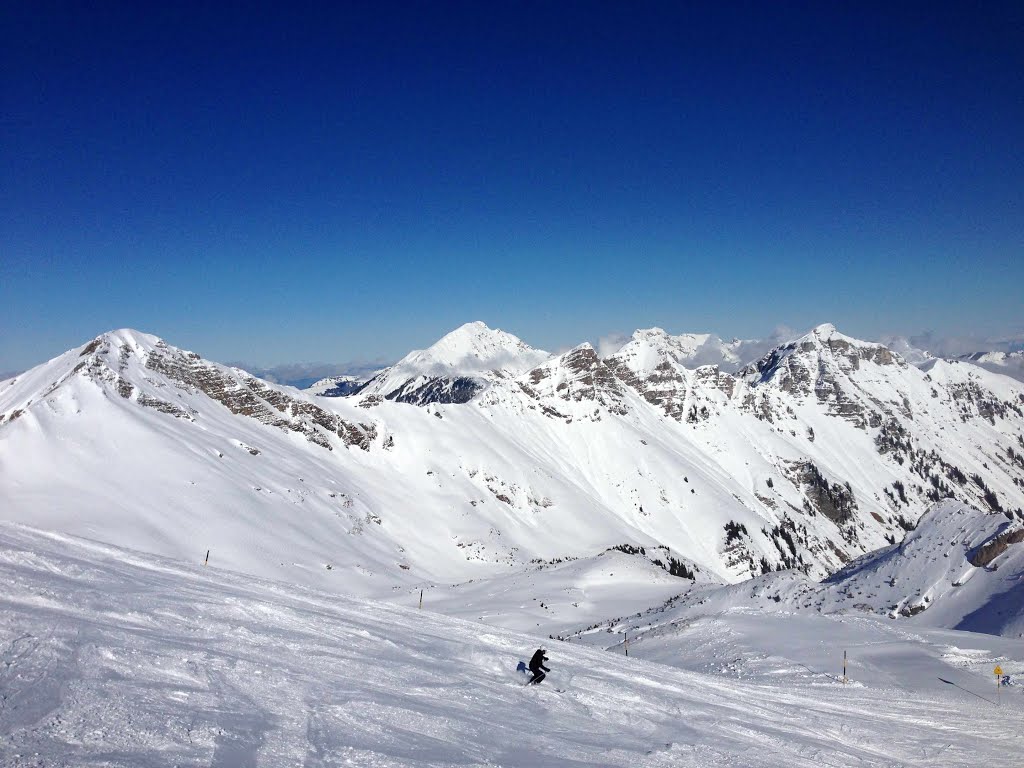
[456, 367]
[653, 347]
[813, 361]
[641, 334]
[135, 374]
[120, 336]
[688, 340]
[473, 347]
[827, 333]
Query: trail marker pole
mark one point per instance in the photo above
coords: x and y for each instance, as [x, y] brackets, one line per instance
[421, 599]
[207, 560]
[625, 642]
[844, 667]
[999, 684]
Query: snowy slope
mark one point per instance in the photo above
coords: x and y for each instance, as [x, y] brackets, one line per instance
[821, 452]
[1007, 363]
[960, 569]
[555, 597]
[456, 368]
[113, 658]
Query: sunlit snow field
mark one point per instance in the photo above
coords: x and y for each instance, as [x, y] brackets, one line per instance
[114, 658]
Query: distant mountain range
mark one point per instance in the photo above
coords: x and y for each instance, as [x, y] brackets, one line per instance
[481, 459]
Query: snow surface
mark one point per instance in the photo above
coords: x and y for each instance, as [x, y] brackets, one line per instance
[115, 658]
[928, 580]
[561, 462]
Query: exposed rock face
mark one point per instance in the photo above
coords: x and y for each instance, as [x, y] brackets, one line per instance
[424, 391]
[121, 364]
[654, 364]
[665, 387]
[973, 399]
[712, 377]
[578, 376]
[163, 406]
[589, 376]
[823, 364]
[996, 546]
[834, 501]
[247, 396]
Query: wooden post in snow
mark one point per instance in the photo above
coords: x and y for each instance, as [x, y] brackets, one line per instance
[207, 560]
[625, 642]
[844, 667]
[421, 599]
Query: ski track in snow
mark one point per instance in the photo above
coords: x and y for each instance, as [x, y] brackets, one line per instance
[114, 658]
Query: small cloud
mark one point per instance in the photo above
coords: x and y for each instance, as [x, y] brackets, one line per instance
[751, 350]
[610, 344]
[959, 345]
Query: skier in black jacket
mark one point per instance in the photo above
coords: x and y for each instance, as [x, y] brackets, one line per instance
[537, 666]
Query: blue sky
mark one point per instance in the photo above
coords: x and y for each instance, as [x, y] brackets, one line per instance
[294, 184]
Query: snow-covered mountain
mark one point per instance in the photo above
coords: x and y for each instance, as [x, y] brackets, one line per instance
[337, 386]
[456, 368]
[693, 350]
[825, 449]
[1007, 363]
[999, 356]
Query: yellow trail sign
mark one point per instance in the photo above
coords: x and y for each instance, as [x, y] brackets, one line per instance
[998, 670]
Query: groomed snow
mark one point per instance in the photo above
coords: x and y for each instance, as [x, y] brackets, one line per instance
[115, 658]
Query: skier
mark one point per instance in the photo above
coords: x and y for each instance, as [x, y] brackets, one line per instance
[537, 666]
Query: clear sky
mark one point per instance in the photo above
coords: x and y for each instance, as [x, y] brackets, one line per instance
[276, 183]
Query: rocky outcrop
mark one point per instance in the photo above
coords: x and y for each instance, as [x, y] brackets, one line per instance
[247, 396]
[578, 376]
[994, 547]
[833, 500]
[665, 387]
[424, 391]
[973, 399]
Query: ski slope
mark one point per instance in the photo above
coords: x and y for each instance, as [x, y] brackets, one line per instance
[115, 658]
